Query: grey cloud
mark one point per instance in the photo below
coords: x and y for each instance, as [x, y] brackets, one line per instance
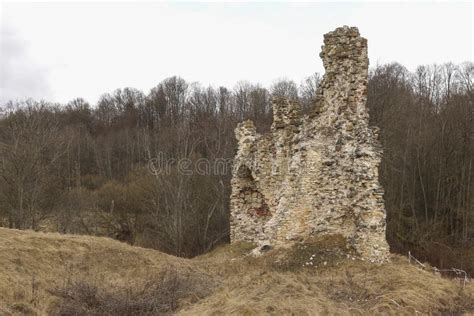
[20, 76]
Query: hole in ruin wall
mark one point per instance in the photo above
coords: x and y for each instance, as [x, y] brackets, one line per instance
[316, 174]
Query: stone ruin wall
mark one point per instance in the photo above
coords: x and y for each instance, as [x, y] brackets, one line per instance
[315, 174]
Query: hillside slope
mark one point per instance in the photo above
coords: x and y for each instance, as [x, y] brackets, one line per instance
[37, 268]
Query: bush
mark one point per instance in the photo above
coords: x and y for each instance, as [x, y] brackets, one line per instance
[162, 294]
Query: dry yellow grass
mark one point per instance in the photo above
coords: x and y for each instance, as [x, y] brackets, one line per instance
[33, 263]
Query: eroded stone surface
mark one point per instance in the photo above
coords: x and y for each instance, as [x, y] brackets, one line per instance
[315, 174]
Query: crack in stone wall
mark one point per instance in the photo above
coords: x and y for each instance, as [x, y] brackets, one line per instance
[315, 174]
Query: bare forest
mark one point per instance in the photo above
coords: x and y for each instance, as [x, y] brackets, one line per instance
[85, 168]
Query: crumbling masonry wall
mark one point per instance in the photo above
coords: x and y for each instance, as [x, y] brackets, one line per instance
[315, 174]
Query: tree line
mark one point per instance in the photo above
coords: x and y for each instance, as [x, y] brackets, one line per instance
[77, 168]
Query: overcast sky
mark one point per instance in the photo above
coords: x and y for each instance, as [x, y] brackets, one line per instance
[60, 51]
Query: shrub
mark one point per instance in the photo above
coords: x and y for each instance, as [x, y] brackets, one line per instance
[161, 294]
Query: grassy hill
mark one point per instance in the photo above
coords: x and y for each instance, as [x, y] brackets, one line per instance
[53, 274]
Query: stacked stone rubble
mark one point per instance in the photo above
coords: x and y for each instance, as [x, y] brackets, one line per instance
[315, 174]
